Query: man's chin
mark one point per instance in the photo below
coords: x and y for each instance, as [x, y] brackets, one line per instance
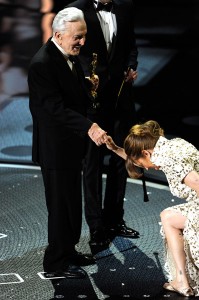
[76, 51]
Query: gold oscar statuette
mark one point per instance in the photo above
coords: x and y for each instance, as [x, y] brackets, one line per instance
[92, 74]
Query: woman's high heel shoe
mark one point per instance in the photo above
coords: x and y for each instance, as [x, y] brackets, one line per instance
[168, 287]
[186, 292]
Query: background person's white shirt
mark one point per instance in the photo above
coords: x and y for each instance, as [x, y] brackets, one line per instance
[108, 24]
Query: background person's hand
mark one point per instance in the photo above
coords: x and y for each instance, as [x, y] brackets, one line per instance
[131, 75]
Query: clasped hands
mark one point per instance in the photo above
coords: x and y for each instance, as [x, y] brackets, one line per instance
[99, 136]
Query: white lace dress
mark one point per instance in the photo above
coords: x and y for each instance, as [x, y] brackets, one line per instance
[176, 158]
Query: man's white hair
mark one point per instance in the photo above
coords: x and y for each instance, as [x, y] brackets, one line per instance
[69, 14]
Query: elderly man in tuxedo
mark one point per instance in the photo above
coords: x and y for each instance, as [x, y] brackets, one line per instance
[59, 99]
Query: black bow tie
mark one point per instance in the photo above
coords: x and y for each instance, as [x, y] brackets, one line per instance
[71, 58]
[106, 7]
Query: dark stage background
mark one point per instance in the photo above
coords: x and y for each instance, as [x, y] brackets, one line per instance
[166, 89]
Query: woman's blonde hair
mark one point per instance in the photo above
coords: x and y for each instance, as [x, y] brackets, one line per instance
[141, 137]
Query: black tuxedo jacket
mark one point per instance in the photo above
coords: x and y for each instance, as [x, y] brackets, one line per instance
[124, 50]
[58, 103]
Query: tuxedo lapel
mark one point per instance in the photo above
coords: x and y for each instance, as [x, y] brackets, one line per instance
[65, 71]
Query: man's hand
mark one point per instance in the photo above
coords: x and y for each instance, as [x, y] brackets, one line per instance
[131, 75]
[97, 134]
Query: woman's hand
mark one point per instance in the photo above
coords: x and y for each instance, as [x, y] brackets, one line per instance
[110, 143]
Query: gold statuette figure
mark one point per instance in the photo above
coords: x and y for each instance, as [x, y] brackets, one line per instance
[93, 75]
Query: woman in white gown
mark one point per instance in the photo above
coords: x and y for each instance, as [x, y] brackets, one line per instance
[146, 147]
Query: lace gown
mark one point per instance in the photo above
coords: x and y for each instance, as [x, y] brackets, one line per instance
[176, 158]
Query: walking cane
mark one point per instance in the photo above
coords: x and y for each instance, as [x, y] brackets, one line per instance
[146, 199]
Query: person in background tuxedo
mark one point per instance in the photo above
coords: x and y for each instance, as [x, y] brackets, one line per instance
[111, 36]
[58, 102]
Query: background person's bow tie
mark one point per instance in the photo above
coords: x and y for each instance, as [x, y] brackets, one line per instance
[106, 7]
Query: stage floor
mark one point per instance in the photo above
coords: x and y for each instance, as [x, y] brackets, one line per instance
[130, 268]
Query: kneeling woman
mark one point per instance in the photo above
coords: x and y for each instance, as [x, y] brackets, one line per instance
[146, 147]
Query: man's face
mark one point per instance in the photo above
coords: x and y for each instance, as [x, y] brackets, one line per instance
[73, 38]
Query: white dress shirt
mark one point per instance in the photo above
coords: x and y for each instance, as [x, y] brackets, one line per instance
[108, 24]
[63, 52]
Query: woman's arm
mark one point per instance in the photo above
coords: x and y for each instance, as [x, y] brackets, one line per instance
[112, 146]
[192, 180]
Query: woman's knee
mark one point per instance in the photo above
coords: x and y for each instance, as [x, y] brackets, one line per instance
[165, 215]
[172, 218]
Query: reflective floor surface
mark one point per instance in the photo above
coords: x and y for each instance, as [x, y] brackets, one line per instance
[129, 269]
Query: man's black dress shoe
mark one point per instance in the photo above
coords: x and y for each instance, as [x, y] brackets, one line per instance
[84, 259]
[122, 230]
[99, 241]
[70, 272]
[73, 271]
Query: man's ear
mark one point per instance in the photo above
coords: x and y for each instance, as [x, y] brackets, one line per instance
[58, 36]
